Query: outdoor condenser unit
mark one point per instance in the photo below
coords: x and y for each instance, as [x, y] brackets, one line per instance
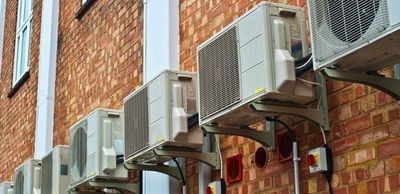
[252, 59]
[55, 171]
[157, 115]
[6, 188]
[27, 178]
[96, 142]
[358, 35]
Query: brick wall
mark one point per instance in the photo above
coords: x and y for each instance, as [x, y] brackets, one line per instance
[18, 113]
[365, 123]
[99, 59]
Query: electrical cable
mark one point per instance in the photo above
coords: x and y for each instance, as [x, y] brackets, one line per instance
[219, 155]
[323, 135]
[304, 64]
[329, 173]
[291, 132]
[180, 171]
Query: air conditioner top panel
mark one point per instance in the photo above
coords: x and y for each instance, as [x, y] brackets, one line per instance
[280, 7]
[55, 148]
[159, 75]
[79, 122]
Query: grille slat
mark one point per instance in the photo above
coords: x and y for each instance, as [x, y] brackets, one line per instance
[219, 79]
[136, 122]
[47, 174]
[78, 152]
[341, 25]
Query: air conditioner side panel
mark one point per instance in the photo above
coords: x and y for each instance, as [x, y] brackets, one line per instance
[253, 53]
[158, 110]
[93, 146]
[394, 14]
[61, 170]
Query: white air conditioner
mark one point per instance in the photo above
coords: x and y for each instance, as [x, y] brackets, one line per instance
[6, 188]
[96, 143]
[252, 59]
[156, 115]
[27, 178]
[55, 171]
[357, 35]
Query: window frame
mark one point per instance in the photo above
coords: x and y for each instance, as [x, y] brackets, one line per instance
[23, 36]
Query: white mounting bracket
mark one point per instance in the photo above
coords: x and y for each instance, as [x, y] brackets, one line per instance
[168, 170]
[387, 85]
[266, 138]
[209, 158]
[104, 184]
[318, 116]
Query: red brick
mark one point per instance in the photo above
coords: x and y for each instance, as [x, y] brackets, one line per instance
[372, 186]
[394, 114]
[360, 90]
[394, 182]
[374, 135]
[361, 156]
[388, 149]
[344, 144]
[357, 124]
[392, 165]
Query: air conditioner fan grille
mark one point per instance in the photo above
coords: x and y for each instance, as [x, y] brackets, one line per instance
[219, 73]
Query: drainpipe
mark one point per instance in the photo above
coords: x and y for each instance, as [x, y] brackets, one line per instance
[296, 161]
[46, 78]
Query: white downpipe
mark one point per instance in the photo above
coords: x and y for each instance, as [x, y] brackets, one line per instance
[296, 161]
[46, 78]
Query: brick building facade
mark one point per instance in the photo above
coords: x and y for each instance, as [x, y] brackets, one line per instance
[100, 61]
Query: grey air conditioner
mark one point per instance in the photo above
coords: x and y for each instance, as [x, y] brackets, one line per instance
[96, 143]
[356, 35]
[27, 177]
[156, 115]
[55, 171]
[6, 188]
[252, 59]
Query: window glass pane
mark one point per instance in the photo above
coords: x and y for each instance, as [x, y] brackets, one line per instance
[24, 49]
[28, 8]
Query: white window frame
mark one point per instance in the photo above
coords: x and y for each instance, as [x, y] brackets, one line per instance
[84, 1]
[2, 22]
[22, 39]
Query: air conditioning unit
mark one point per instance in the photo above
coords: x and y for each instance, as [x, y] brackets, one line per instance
[96, 143]
[55, 171]
[356, 35]
[27, 178]
[159, 114]
[252, 59]
[6, 188]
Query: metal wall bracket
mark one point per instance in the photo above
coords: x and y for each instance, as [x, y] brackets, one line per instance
[99, 185]
[211, 159]
[266, 138]
[387, 85]
[316, 115]
[168, 170]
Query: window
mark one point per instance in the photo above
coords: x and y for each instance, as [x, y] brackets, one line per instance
[83, 1]
[84, 8]
[2, 20]
[23, 40]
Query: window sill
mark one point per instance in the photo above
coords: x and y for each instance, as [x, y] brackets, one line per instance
[84, 8]
[18, 85]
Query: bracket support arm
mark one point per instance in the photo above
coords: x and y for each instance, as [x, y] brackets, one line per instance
[209, 158]
[168, 170]
[266, 138]
[387, 85]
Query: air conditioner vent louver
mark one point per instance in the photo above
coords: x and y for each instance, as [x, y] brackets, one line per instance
[219, 77]
[79, 152]
[136, 122]
[19, 183]
[340, 25]
[47, 174]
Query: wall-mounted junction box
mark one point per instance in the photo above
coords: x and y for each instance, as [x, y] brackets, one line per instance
[317, 160]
